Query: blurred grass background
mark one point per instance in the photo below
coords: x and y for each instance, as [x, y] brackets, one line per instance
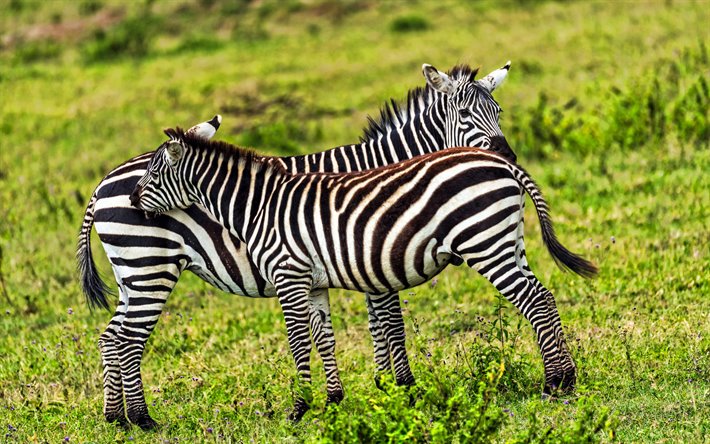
[606, 105]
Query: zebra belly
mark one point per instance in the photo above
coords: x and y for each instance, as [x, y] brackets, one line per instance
[385, 271]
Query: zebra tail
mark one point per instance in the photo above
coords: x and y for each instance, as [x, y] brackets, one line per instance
[94, 288]
[564, 258]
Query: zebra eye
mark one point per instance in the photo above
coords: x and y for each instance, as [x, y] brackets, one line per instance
[465, 113]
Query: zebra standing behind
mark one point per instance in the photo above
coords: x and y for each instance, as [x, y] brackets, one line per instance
[149, 255]
[377, 231]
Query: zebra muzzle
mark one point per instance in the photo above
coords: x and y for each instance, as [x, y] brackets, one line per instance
[135, 197]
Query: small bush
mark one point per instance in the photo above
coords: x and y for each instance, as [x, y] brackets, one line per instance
[199, 43]
[131, 38]
[409, 23]
[448, 409]
[671, 100]
[89, 7]
[37, 51]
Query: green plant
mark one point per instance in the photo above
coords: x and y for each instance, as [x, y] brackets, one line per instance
[409, 23]
[131, 38]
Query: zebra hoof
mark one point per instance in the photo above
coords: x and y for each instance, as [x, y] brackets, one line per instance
[146, 423]
[335, 397]
[118, 419]
[564, 383]
[299, 409]
[407, 381]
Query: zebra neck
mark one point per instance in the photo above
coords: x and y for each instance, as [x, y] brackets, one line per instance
[234, 189]
[416, 134]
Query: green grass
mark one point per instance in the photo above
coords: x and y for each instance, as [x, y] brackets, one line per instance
[606, 105]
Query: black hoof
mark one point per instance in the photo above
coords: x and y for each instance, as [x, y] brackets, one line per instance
[299, 409]
[146, 423]
[118, 419]
[569, 380]
[407, 381]
[564, 383]
[335, 397]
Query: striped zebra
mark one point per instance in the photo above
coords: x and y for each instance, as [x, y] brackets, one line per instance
[149, 255]
[376, 231]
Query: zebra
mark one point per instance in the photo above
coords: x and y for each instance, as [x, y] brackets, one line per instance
[376, 231]
[148, 255]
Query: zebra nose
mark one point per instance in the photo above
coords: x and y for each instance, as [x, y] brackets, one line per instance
[500, 145]
[135, 197]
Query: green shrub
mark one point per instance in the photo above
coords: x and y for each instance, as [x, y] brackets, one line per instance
[201, 43]
[671, 100]
[37, 51]
[409, 23]
[131, 38]
[447, 409]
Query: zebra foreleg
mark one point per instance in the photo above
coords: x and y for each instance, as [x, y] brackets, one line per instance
[293, 289]
[113, 388]
[324, 339]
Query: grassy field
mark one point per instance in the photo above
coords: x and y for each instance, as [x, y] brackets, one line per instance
[606, 105]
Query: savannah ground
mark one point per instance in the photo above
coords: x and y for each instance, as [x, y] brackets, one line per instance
[606, 105]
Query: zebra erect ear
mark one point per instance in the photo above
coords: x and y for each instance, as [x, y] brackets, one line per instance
[438, 80]
[174, 152]
[206, 129]
[494, 79]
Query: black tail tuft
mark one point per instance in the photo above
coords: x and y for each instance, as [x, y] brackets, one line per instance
[564, 258]
[95, 289]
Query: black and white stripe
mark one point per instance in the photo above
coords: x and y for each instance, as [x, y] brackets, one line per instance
[377, 231]
[148, 255]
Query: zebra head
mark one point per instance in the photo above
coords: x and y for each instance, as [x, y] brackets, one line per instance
[163, 186]
[470, 113]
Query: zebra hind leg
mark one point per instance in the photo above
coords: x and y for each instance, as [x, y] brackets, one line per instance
[502, 270]
[383, 366]
[322, 333]
[567, 379]
[396, 339]
[114, 410]
[142, 313]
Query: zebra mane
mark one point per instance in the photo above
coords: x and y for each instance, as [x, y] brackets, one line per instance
[394, 115]
[244, 154]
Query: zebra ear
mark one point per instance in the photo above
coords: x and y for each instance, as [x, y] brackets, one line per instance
[174, 152]
[206, 129]
[438, 80]
[494, 79]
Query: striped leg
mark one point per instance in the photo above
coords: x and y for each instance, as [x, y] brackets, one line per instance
[387, 310]
[113, 388]
[145, 304]
[501, 268]
[293, 288]
[569, 369]
[379, 342]
[324, 339]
